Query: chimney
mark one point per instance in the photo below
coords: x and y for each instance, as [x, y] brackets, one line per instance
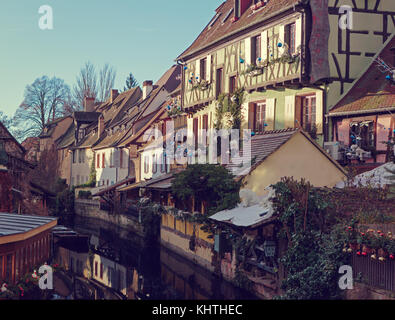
[147, 88]
[100, 126]
[89, 104]
[114, 94]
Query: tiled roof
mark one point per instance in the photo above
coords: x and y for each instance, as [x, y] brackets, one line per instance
[220, 30]
[83, 116]
[263, 145]
[68, 138]
[372, 91]
[114, 111]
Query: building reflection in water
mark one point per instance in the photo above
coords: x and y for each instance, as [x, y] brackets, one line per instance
[123, 268]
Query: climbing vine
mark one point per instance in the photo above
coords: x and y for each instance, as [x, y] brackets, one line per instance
[231, 104]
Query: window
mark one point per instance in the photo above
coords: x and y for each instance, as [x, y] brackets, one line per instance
[203, 68]
[98, 161]
[290, 37]
[154, 164]
[309, 112]
[103, 161]
[121, 158]
[111, 159]
[227, 15]
[101, 270]
[256, 49]
[163, 164]
[232, 84]
[257, 116]
[96, 268]
[362, 133]
[74, 156]
[219, 84]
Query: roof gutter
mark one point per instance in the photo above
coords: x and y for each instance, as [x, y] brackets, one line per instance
[346, 113]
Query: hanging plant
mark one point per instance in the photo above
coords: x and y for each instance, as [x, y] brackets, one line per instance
[199, 84]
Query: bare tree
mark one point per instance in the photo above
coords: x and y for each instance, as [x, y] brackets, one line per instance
[44, 101]
[106, 81]
[86, 85]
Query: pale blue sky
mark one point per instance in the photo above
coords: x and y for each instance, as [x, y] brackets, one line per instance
[142, 37]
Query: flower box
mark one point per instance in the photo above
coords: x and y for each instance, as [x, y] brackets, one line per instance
[256, 72]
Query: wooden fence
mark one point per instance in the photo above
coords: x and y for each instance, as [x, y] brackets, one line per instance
[374, 273]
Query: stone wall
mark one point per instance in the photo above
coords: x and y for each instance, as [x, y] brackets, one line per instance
[91, 209]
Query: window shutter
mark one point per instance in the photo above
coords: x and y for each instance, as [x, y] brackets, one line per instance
[251, 116]
[289, 117]
[319, 111]
[197, 69]
[208, 68]
[298, 33]
[264, 45]
[298, 112]
[281, 39]
[195, 131]
[248, 51]
[117, 158]
[270, 113]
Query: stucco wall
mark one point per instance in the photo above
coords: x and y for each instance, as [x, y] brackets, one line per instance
[81, 170]
[297, 158]
[180, 244]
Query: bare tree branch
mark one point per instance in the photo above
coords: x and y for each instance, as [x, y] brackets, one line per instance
[44, 101]
[106, 82]
[86, 85]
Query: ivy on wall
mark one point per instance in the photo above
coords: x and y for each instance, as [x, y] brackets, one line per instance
[231, 104]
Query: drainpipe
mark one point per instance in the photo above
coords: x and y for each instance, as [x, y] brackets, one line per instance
[182, 63]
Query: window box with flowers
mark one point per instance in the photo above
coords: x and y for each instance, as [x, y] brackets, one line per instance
[201, 85]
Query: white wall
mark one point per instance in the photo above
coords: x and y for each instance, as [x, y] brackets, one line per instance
[113, 172]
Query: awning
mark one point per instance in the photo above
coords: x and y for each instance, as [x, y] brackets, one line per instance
[130, 187]
[244, 216]
[165, 184]
[114, 186]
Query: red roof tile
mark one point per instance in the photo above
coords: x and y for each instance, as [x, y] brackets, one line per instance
[220, 29]
[372, 91]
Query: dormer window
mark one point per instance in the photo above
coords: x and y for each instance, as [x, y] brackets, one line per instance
[237, 9]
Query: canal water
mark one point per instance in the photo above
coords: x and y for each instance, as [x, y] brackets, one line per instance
[139, 272]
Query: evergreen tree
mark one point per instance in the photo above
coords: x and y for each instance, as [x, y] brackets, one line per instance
[131, 82]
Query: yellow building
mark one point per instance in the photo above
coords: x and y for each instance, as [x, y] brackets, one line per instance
[292, 65]
[289, 153]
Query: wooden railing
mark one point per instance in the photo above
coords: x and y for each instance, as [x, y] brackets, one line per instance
[374, 273]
